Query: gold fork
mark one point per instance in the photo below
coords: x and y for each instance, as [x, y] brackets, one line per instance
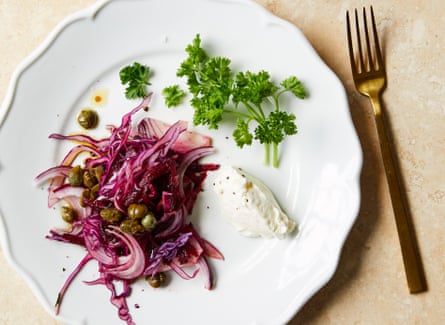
[368, 71]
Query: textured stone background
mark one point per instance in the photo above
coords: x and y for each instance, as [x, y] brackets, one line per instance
[369, 285]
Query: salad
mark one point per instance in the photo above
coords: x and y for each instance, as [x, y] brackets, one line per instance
[128, 203]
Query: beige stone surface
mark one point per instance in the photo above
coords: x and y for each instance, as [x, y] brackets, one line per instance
[369, 285]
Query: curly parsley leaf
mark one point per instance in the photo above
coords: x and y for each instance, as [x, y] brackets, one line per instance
[242, 134]
[135, 77]
[173, 95]
[295, 86]
[207, 112]
[276, 127]
[253, 87]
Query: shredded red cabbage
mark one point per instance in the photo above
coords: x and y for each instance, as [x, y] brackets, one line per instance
[148, 162]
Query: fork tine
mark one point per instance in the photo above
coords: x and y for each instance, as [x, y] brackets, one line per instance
[370, 65]
[361, 61]
[351, 51]
[378, 53]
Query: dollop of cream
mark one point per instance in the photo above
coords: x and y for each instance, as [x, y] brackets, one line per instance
[249, 205]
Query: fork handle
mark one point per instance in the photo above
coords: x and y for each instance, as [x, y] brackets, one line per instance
[411, 258]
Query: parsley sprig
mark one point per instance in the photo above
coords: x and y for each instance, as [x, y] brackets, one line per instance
[173, 95]
[251, 97]
[136, 77]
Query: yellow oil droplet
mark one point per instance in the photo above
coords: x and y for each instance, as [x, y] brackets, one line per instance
[99, 97]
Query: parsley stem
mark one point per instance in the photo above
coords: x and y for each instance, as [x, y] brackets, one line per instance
[276, 101]
[275, 155]
[253, 112]
[282, 91]
[260, 110]
[237, 113]
[266, 154]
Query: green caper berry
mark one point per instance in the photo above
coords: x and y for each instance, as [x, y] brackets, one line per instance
[148, 221]
[88, 119]
[137, 210]
[68, 214]
[156, 280]
[131, 226]
[88, 179]
[111, 214]
[75, 176]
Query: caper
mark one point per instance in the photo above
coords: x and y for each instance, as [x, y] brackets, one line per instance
[88, 119]
[111, 214]
[148, 221]
[75, 176]
[68, 214]
[89, 180]
[97, 171]
[156, 280]
[94, 191]
[131, 226]
[86, 196]
[137, 210]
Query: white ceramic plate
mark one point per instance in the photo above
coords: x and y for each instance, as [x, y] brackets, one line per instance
[261, 281]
